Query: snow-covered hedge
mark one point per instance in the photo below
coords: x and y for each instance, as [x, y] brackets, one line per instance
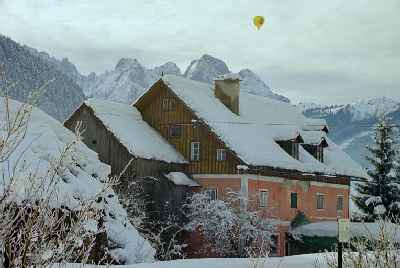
[29, 173]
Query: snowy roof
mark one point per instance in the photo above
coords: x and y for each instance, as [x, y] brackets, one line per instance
[228, 76]
[126, 123]
[357, 229]
[29, 171]
[252, 135]
[180, 178]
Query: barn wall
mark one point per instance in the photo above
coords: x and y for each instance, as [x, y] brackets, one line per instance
[111, 151]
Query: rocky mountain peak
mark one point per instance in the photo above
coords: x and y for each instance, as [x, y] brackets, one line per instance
[206, 69]
[128, 63]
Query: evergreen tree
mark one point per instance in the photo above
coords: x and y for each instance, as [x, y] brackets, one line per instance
[378, 196]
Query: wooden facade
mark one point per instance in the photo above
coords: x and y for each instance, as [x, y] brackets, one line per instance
[192, 130]
[98, 138]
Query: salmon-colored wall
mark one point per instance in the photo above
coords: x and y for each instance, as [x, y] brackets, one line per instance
[223, 185]
[278, 205]
[279, 199]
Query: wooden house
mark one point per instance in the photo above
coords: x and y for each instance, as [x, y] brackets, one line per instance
[228, 140]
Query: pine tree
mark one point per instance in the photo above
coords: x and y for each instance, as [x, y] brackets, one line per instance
[378, 196]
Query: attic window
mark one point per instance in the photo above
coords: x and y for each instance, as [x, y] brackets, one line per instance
[175, 131]
[221, 154]
[168, 104]
[315, 150]
[195, 151]
[291, 147]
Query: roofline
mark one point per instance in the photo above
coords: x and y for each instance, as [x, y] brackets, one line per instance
[84, 105]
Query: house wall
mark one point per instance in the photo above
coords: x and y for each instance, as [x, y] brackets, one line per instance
[153, 113]
[111, 151]
[278, 204]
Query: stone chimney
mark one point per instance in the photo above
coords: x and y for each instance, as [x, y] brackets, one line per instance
[227, 88]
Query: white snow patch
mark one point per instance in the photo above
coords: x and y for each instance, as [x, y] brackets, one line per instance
[29, 165]
[180, 178]
[126, 123]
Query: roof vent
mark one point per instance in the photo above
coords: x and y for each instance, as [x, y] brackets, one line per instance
[227, 88]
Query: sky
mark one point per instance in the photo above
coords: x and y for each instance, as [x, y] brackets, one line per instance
[335, 51]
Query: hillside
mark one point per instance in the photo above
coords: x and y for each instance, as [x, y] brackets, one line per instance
[352, 125]
[27, 73]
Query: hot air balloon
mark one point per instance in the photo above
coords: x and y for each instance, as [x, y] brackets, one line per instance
[258, 21]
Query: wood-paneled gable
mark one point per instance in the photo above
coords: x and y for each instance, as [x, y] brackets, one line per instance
[192, 130]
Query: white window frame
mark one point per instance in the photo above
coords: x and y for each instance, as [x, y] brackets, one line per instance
[323, 201]
[340, 196]
[263, 203]
[221, 155]
[209, 190]
[195, 151]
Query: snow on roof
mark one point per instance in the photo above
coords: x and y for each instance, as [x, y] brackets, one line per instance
[357, 229]
[228, 76]
[180, 178]
[252, 135]
[29, 165]
[126, 123]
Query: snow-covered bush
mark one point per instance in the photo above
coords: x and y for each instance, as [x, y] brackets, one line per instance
[228, 230]
[56, 201]
[378, 249]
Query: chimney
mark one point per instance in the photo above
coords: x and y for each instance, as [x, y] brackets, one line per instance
[227, 88]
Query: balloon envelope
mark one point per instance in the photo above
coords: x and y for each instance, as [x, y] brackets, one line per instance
[258, 21]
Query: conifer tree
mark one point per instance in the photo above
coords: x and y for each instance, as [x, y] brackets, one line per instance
[379, 196]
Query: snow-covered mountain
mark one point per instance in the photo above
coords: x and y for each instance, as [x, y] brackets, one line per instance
[352, 125]
[252, 83]
[207, 68]
[127, 81]
[35, 79]
[130, 78]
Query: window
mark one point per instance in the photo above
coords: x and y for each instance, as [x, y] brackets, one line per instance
[295, 150]
[195, 151]
[293, 200]
[212, 193]
[320, 153]
[175, 131]
[168, 104]
[340, 203]
[263, 195]
[221, 154]
[94, 142]
[292, 148]
[320, 201]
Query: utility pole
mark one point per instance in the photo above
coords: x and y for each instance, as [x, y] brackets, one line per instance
[343, 237]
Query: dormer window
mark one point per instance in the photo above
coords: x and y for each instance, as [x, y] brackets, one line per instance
[315, 150]
[291, 147]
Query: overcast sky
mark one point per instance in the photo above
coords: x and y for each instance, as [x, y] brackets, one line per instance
[332, 51]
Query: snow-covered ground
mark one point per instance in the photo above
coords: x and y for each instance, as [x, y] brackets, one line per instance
[31, 168]
[303, 261]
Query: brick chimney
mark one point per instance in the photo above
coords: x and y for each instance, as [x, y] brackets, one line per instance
[227, 88]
